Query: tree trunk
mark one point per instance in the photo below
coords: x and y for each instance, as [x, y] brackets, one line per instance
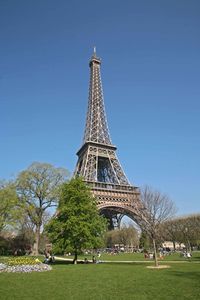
[75, 257]
[37, 240]
[189, 247]
[155, 253]
[174, 245]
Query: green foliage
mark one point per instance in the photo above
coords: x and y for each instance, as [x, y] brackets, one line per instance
[5, 245]
[8, 204]
[126, 236]
[38, 188]
[77, 225]
[184, 230]
[145, 241]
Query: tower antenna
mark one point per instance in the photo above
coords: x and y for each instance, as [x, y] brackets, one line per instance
[94, 50]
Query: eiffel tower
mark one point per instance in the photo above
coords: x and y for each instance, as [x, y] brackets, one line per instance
[97, 161]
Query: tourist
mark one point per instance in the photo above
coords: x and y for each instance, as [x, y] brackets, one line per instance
[46, 257]
[188, 255]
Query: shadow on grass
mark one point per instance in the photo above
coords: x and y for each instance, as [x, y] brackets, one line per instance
[196, 258]
[61, 262]
[131, 264]
[187, 275]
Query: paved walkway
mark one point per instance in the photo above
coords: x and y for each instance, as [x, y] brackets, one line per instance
[130, 261]
[150, 261]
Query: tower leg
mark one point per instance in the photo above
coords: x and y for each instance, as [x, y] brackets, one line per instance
[114, 219]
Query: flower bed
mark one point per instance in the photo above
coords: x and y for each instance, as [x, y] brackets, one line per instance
[2, 267]
[17, 261]
[23, 265]
[28, 268]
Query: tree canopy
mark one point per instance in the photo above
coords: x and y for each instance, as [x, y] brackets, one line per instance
[184, 230]
[125, 236]
[38, 189]
[77, 224]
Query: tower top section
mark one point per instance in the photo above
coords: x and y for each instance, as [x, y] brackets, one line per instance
[96, 129]
[94, 59]
[97, 161]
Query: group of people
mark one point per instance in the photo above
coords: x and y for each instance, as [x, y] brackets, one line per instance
[49, 258]
[186, 254]
[148, 255]
[94, 260]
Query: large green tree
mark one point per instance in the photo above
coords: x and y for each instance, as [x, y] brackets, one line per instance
[38, 189]
[77, 224]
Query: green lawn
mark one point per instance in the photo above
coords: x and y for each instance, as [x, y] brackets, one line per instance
[105, 281]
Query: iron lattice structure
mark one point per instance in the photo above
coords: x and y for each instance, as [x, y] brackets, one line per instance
[97, 160]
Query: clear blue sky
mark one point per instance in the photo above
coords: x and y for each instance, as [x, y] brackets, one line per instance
[150, 54]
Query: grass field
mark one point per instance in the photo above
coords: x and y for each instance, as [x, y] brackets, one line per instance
[106, 281]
